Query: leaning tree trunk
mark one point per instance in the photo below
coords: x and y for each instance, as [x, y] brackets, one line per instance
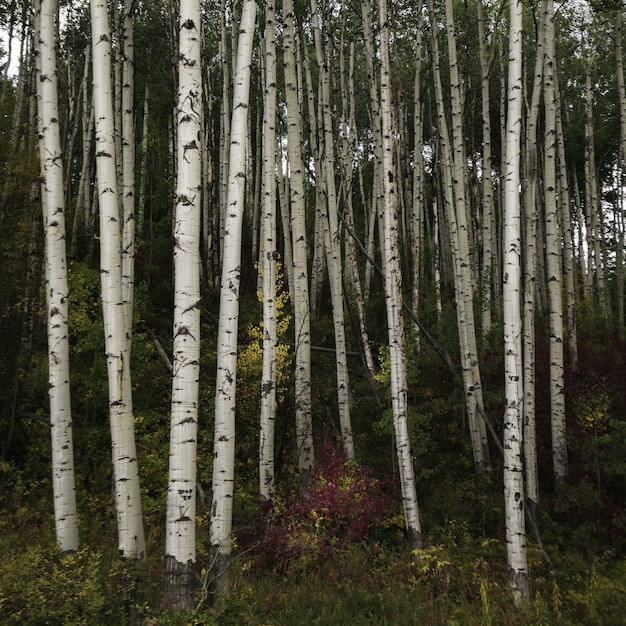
[125, 467]
[57, 292]
[180, 520]
[514, 396]
[225, 387]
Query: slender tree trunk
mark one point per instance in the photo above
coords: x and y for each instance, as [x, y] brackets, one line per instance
[553, 264]
[465, 284]
[225, 387]
[334, 241]
[513, 461]
[125, 467]
[300, 285]
[487, 183]
[462, 280]
[180, 525]
[393, 299]
[568, 244]
[530, 276]
[269, 256]
[128, 170]
[57, 292]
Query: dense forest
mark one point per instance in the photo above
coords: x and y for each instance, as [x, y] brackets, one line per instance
[312, 313]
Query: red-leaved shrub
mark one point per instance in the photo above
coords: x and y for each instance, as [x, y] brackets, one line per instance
[340, 505]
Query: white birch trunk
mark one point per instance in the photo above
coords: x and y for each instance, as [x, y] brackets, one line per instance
[487, 186]
[568, 241]
[57, 292]
[335, 269]
[128, 171]
[180, 523]
[300, 286]
[269, 256]
[513, 451]
[553, 264]
[393, 299]
[530, 278]
[465, 282]
[225, 387]
[462, 280]
[125, 469]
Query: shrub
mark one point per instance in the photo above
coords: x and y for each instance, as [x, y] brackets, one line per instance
[341, 505]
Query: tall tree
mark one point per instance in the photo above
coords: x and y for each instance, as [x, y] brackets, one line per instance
[180, 548]
[332, 239]
[553, 261]
[269, 257]
[57, 292]
[513, 461]
[393, 297]
[125, 467]
[225, 387]
[300, 286]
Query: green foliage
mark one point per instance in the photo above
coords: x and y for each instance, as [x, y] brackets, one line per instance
[42, 588]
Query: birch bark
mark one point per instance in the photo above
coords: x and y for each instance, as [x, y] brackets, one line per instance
[553, 264]
[300, 286]
[513, 461]
[125, 468]
[225, 387]
[333, 238]
[180, 524]
[393, 299]
[57, 292]
[269, 256]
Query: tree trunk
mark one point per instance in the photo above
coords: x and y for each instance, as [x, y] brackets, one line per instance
[393, 300]
[180, 524]
[553, 264]
[125, 469]
[57, 292]
[269, 256]
[225, 387]
[513, 461]
[300, 286]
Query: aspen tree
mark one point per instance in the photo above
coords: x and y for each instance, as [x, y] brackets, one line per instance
[300, 286]
[331, 230]
[416, 224]
[225, 387]
[593, 207]
[531, 182]
[553, 263]
[57, 291]
[465, 282]
[128, 168]
[513, 461]
[269, 256]
[568, 244]
[125, 467]
[350, 146]
[180, 523]
[461, 276]
[487, 187]
[393, 299]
